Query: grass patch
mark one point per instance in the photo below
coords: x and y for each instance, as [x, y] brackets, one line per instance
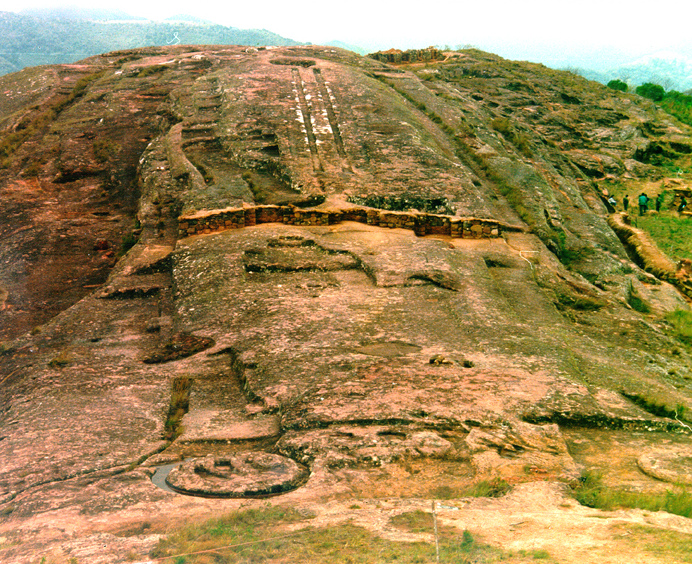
[41, 119]
[519, 140]
[152, 70]
[105, 149]
[592, 492]
[179, 406]
[636, 302]
[670, 231]
[417, 521]
[261, 535]
[669, 546]
[656, 407]
[681, 322]
[496, 487]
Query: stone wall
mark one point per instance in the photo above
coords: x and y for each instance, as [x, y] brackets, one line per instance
[211, 221]
[396, 56]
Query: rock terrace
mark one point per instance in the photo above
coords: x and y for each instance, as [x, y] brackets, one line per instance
[285, 339]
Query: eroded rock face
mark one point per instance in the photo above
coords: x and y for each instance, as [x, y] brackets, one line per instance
[252, 474]
[267, 319]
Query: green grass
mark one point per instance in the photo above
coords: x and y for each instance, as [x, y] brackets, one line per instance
[656, 406]
[262, 535]
[668, 546]
[636, 301]
[671, 232]
[496, 487]
[681, 322]
[592, 492]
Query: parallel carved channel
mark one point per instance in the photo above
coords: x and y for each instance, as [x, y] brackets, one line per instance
[304, 106]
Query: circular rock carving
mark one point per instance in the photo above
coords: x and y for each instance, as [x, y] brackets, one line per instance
[671, 465]
[252, 474]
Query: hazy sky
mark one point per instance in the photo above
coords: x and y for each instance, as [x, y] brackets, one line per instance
[514, 28]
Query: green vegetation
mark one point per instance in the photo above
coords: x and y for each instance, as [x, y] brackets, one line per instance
[664, 545]
[618, 84]
[635, 301]
[63, 359]
[105, 149]
[651, 91]
[670, 231]
[261, 535]
[674, 102]
[417, 521]
[129, 240]
[179, 406]
[67, 40]
[681, 322]
[657, 407]
[41, 119]
[152, 70]
[497, 487]
[679, 105]
[519, 140]
[591, 491]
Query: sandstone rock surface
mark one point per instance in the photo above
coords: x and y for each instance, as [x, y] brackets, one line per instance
[402, 279]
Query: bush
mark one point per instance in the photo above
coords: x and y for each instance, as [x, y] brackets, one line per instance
[618, 84]
[651, 91]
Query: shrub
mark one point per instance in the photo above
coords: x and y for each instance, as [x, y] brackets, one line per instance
[651, 91]
[618, 84]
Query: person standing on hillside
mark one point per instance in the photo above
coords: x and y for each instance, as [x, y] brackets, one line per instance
[659, 202]
[643, 203]
[626, 202]
[613, 204]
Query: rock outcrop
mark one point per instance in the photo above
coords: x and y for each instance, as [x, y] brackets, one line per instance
[194, 266]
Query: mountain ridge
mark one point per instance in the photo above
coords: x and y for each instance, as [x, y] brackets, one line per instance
[69, 39]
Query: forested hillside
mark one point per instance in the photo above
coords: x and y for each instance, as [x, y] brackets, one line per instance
[30, 40]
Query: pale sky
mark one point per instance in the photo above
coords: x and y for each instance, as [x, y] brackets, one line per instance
[512, 28]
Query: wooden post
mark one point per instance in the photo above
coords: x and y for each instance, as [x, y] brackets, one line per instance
[437, 542]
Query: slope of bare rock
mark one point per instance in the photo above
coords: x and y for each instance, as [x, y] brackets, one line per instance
[300, 273]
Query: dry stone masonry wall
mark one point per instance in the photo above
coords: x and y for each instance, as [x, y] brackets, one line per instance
[211, 221]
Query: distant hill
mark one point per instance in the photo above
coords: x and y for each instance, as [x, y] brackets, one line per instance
[44, 37]
[671, 70]
[77, 13]
[185, 18]
[348, 47]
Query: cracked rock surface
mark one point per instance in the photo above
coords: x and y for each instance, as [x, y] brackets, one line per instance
[308, 344]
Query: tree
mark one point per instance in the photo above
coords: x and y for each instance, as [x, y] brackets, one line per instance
[618, 84]
[651, 91]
